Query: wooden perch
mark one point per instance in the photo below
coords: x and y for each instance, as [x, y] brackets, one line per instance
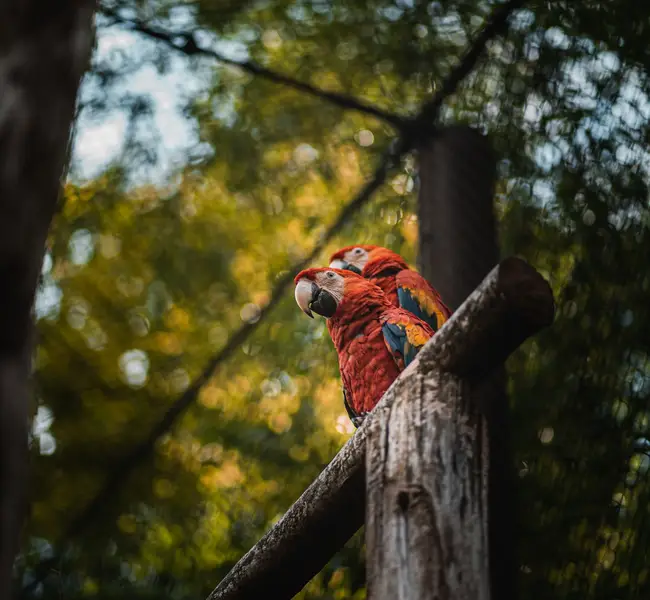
[427, 521]
[512, 303]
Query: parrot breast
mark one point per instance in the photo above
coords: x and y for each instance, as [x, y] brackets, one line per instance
[365, 362]
[367, 367]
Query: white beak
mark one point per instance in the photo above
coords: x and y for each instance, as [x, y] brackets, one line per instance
[337, 264]
[304, 295]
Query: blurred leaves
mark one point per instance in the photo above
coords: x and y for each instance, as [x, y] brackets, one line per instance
[146, 278]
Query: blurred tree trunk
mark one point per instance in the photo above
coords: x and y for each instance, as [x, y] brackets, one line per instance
[44, 49]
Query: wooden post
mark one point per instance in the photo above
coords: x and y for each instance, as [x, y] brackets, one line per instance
[426, 514]
[458, 241]
[426, 533]
[411, 501]
[458, 247]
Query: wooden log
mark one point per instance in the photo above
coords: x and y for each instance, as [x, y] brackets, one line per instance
[458, 244]
[513, 302]
[316, 526]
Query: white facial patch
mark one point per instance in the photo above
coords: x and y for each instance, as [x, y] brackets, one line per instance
[331, 282]
[357, 257]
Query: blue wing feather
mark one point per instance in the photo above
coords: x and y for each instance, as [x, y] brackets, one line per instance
[408, 302]
[397, 342]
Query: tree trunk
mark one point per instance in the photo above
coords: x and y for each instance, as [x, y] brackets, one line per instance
[44, 50]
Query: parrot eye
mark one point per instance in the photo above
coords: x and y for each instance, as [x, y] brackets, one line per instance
[330, 274]
[358, 251]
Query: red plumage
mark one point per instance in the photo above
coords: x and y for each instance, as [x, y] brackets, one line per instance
[368, 363]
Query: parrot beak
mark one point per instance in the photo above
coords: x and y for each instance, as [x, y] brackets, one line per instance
[309, 296]
[346, 266]
[305, 292]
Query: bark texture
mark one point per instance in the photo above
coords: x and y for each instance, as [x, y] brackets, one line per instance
[327, 514]
[513, 302]
[44, 50]
[426, 532]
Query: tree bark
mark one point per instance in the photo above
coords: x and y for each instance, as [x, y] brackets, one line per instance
[44, 50]
[426, 530]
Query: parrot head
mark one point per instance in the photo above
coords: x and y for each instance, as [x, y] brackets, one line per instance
[352, 258]
[371, 258]
[321, 290]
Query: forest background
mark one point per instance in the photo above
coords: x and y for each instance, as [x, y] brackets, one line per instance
[195, 188]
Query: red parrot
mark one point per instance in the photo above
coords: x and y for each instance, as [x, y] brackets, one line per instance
[374, 340]
[403, 286]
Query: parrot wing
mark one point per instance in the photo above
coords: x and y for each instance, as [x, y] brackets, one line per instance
[417, 296]
[404, 336]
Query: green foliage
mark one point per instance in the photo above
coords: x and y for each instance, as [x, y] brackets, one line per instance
[144, 283]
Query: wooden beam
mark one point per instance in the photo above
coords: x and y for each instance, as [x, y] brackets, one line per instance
[458, 243]
[316, 526]
[513, 302]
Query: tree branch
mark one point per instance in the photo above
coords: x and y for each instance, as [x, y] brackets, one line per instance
[185, 42]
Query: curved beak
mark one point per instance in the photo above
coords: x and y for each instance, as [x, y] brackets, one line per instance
[305, 293]
[346, 266]
[309, 296]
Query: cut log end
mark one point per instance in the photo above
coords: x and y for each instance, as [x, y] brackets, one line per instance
[528, 294]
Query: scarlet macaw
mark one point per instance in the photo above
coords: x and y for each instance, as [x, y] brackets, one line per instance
[403, 286]
[374, 340]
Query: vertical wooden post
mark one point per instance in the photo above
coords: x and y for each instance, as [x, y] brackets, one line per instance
[426, 534]
[428, 459]
[458, 241]
[458, 247]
